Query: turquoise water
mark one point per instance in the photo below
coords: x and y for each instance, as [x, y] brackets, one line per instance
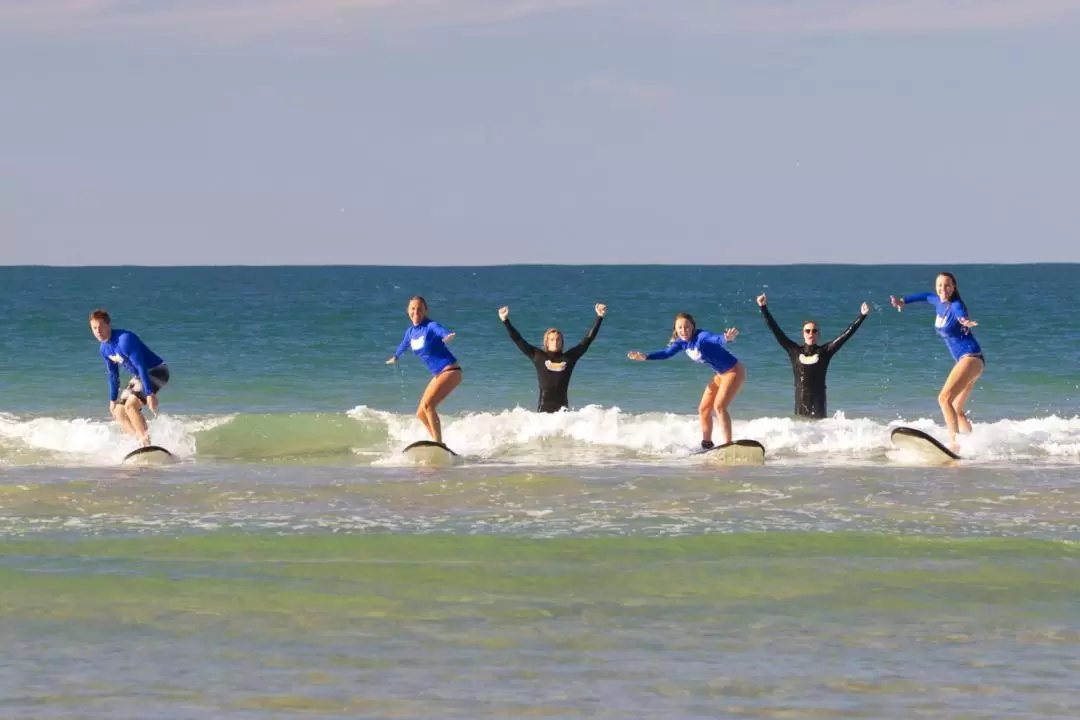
[577, 565]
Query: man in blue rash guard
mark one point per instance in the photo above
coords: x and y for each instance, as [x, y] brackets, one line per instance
[706, 348]
[810, 361]
[952, 324]
[428, 339]
[149, 374]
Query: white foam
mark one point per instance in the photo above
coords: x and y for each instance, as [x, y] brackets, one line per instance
[91, 441]
[591, 435]
[596, 434]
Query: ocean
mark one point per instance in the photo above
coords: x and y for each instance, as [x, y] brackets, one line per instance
[582, 564]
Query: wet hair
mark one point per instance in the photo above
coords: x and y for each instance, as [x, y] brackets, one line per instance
[420, 298]
[551, 331]
[101, 315]
[681, 316]
[956, 289]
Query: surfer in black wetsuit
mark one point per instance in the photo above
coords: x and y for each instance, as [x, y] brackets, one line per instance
[553, 366]
[810, 361]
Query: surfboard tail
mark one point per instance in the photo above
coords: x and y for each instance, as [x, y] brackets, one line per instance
[149, 455]
[737, 452]
[922, 446]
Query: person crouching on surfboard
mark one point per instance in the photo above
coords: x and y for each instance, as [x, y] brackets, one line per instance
[553, 366]
[149, 374]
[810, 361]
[954, 327]
[706, 348]
[428, 339]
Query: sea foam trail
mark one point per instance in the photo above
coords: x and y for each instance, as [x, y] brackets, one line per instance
[591, 435]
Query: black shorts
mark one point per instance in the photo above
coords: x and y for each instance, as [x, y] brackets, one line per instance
[159, 378]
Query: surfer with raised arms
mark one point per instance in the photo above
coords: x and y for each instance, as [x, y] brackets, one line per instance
[553, 365]
[953, 325]
[428, 339]
[809, 360]
[708, 349]
[149, 374]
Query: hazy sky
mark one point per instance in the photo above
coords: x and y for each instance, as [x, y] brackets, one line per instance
[437, 132]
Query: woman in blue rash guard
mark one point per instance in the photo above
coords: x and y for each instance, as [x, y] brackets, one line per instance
[428, 339]
[953, 325]
[706, 348]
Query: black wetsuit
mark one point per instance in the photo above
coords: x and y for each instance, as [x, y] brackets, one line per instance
[809, 363]
[553, 369]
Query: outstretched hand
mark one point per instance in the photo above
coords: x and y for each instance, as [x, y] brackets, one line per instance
[391, 361]
[730, 334]
[635, 355]
[449, 337]
[865, 309]
[762, 300]
[504, 312]
[601, 309]
[966, 322]
[896, 302]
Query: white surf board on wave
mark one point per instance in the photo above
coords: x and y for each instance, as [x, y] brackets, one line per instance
[738, 452]
[428, 453]
[922, 446]
[149, 455]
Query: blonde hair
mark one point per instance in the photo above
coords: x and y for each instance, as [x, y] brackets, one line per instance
[680, 316]
[549, 332]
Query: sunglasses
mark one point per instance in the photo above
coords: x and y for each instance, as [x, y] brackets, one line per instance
[810, 331]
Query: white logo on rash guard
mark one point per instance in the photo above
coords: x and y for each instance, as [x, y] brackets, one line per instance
[809, 359]
[555, 366]
[417, 342]
[117, 358]
[694, 354]
[940, 321]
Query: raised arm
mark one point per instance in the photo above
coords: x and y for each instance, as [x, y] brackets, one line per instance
[838, 342]
[785, 342]
[578, 350]
[523, 345]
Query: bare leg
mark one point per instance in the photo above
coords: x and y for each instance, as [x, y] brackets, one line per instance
[955, 393]
[963, 424]
[437, 390]
[133, 409]
[705, 410]
[728, 386]
[119, 414]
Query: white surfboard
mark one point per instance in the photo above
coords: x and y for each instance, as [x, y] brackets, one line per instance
[149, 455]
[428, 453]
[921, 446]
[737, 452]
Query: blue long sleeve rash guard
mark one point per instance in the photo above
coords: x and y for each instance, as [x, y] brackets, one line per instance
[125, 348]
[957, 338]
[426, 341]
[704, 347]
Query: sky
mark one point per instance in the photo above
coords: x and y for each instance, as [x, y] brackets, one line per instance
[492, 132]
